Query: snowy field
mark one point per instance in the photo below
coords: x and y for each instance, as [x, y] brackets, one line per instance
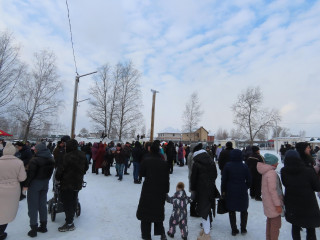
[109, 212]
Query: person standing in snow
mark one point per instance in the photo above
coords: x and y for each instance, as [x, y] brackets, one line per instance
[193, 204]
[153, 194]
[272, 195]
[179, 214]
[127, 153]
[203, 188]
[180, 155]
[70, 174]
[12, 172]
[94, 150]
[137, 154]
[304, 150]
[218, 151]
[171, 155]
[100, 158]
[235, 182]
[120, 158]
[224, 156]
[255, 157]
[301, 183]
[40, 169]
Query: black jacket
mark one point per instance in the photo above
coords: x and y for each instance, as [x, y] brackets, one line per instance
[58, 154]
[137, 152]
[171, 153]
[252, 164]
[203, 177]
[40, 167]
[300, 201]
[224, 158]
[74, 166]
[25, 155]
[154, 189]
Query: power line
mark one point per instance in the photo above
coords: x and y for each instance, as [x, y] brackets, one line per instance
[74, 57]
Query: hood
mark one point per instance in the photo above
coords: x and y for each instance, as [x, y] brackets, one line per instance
[236, 155]
[264, 168]
[43, 151]
[137, 144]
[292, 163]
[202, 157]
[71, 145]
[301, 147]
[180, 194]
[199, 152]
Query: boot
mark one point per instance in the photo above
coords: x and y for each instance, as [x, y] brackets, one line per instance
[66, 227]
[244, 220]
[163, 236]
[33, 231]
[170, 234]
[43, 227]
[233, 223]
[204, 237]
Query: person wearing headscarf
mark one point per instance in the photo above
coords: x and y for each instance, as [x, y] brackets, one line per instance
[153, 194]
[235, 182]
[301, 206]
[12, 172]
[37, 184]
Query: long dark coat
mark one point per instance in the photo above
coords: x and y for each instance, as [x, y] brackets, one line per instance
[236, 180]
[154, 189]
[203, 177]
[300, 201]
[224, 157]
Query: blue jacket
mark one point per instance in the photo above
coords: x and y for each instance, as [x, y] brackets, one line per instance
[236, 180]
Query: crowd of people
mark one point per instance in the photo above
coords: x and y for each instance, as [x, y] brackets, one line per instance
[28, 169]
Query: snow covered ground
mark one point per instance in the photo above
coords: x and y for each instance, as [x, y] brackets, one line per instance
[109, 212]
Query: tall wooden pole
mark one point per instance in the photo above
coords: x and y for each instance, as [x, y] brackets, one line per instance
[152, 113]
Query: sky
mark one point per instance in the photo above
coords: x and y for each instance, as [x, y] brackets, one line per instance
[216, 48]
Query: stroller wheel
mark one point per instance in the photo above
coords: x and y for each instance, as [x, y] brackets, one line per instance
[53, 213]
[78, 210]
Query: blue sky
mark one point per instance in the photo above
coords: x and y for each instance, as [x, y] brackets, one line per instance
[217, 48]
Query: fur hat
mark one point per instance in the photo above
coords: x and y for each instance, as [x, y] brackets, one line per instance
[270, 159]
[9, 149]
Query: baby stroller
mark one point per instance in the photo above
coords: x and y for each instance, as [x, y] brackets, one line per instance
[55, 204]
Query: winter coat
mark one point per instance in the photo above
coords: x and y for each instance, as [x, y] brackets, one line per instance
[12, 172]
[40, 167]
[171, 152]
[252, 162]
[236, 180]
[179, 201]
[203, 177]
[94, 150]
[190, 163]
[137, 152]
[126, 151]
[74, 166]
[154, 189]
[100, 156]
[224, 158]
[218, 151]
[120, 157]
[180, 152]
[58, 154]
[271, 189]
[299, 199]
[25, 155]
[109, 155]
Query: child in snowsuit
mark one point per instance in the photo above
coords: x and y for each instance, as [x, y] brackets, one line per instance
[272, 195]
[179, 212]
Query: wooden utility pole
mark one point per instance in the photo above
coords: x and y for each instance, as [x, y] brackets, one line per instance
[75, 104]
[152, 113]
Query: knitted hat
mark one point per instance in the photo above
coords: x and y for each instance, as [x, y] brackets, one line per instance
[229, 144]
[270, 159]
[9, 149]
[40, 147]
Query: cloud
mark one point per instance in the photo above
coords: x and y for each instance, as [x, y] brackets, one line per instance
[215, 47]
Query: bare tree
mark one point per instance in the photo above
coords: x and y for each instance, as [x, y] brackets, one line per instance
[236, 134]
[249, 115]
[11, 69]
[83, 132]
[192, 115]
[222, 134]
[36, 100]
[280, 132]
[99, 92]
[129, 101]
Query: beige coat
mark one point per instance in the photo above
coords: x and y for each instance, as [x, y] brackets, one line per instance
[11, 173]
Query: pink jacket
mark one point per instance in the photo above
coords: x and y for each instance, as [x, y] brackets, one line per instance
[270, 190]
